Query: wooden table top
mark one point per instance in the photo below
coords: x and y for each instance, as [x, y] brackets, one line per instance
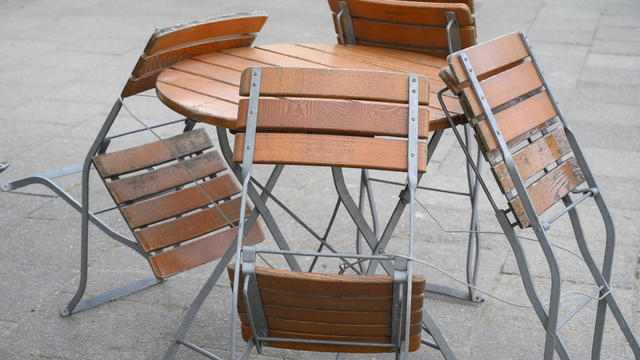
[205, 87]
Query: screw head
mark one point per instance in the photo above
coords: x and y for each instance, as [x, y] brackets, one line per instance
[413, 80]
[251, 112]
[413, 155]
[413, 119]
[249, 147]
[254, 84]
[413, 91]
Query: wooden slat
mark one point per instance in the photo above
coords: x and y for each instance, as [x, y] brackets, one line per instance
[331, 150]
[414, 342]
[242, 23]
[188, 227]
[209, 71]
[425, 13]
[149, 63]
[390, 62]
[323, 328]
[271, 58]
[169, 177]
[185, 257]
[504, 87]
[336, 83]
[320, 57]
[136, 85]
[427, 60]
[329, 316]
[533, 158]
[200, 85]
[490, 56]
[198, 107]
[169, 205]
[333, 117]
[418, 36]
[228, 61]
[518, 119]
[549, 189]
[155, 153]
[431, 51]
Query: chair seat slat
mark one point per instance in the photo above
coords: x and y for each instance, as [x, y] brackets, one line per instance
[330, 316]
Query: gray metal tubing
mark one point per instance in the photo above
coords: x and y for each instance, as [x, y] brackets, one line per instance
[200, 350]
[257, 200]
[144, 129]
[430, 326]
[548, 223]
[51, 174]
[554, 269]
[601, 280]
[453, 192]
[579, 307]
[84, 231]
[326, 234]
[113, 294]
[330, 255]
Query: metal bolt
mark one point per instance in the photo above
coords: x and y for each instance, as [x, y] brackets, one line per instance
[249, 147]
[498, 132]
[470, 70]
[413, 80]
[251, 112]
[482, 97]
[413, 119]
[255, 74]
[413, 155]
[413, 91]
[254, 84]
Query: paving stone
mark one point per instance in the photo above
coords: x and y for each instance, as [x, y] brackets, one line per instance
[616, 47]
[617, 33]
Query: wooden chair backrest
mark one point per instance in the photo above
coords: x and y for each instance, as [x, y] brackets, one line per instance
[148, 186]
[172, 44]
[525, 116]
[330, 307]
[320, 117]
[409, 25]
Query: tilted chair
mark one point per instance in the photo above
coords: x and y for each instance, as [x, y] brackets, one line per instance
[176, 225]
[427, 27]
[536, 161]
[299, 116]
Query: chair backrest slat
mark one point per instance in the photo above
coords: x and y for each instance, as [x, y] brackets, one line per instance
[335, 84]
[518, 100]
[411, 25]
[170, 45]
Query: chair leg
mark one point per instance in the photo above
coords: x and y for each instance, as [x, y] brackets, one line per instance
[430, 326]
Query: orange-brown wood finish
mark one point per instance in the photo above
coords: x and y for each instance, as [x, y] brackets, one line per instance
[295, 303]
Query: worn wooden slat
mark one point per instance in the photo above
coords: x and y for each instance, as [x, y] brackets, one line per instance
[271, 58]
[319, 57]
[390, 62]
[518, 119]
[190, 226]
[489, 57]
[504, 87]
[533, 158]
[406, 11]
[149, 63]
[329, 316]
[228, 61]
[169, 205]
[243, 23]
[198, 107]
[418, 36]
[323, 328]
[431, 51]
[549, 189]
[200, 85]
[433, 61]
[169, 177]
[333, 117]
[209, 71]
[136, 85]
[331, 150]
[151, 154]
[201, 251]
[336, 83]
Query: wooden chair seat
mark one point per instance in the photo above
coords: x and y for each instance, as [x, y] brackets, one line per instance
[164, 210]
[330, 307]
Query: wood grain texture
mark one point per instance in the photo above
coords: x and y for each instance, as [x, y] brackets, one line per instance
[504, 87]
[189, 227]
[228, 61]
[200, 85]
[271, 58]
[150, 183]
[549, 189]
[417, 58]
[412, 12]
[179, 202]
[330, 150]
[336, 83]
[518, 119]
[533, 158]
[243, 23]
[294, 293]
[209, 71]
[333, 117]
[201, 251]
[151, 154]
[489, 57]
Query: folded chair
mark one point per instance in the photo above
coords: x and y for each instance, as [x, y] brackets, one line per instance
[433, 28]
[176, 225]
[536, 161]
[300, 117]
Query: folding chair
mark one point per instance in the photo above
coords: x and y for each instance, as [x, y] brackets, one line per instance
[433, 28]
[176, 226]
[536, 161]
[300, 117]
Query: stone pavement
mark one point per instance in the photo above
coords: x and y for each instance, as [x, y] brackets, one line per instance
[64, 62]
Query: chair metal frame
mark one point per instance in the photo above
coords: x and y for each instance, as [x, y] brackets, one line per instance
[406, 196]
[473, 242]
[548, 316]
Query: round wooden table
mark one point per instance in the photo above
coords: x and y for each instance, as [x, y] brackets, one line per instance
[205, 87]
